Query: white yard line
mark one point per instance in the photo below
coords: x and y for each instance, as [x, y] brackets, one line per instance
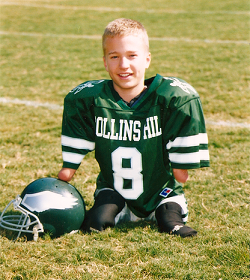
[50, 106]
[209, 41]
[98, 37]
[116, 9]
[30, 103]
[32, 34]
[228, 124]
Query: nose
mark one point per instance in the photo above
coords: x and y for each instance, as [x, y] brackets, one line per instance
[124, 63]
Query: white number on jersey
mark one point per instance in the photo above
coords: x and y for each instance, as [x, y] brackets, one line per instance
[132, 173]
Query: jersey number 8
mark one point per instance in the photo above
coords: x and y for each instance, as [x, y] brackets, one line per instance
[132, 173]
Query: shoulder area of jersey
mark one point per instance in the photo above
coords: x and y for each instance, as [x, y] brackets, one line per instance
[88, 87]
[178, 87]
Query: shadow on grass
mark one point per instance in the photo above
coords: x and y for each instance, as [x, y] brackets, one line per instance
[123, 227]
[127, 226]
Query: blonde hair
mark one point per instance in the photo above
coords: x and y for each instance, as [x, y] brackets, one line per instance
[124, 27]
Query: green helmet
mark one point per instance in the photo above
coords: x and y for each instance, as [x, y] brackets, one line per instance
[46, 205]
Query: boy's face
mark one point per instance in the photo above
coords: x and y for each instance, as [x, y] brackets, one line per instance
[126, 59]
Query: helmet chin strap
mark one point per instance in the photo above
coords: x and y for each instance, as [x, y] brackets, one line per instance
[35, 233]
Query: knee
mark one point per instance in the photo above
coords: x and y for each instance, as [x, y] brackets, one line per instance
[168, 215]
[102, 215]
[169, 220]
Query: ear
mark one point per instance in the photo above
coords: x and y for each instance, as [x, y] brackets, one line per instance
[105, 63]
[148, 60]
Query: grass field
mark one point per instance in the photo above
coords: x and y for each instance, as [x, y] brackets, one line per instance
[50, 46]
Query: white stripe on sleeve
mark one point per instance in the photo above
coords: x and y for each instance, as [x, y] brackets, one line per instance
[77, 143]
[195, 157]
[72, 157]
[188, 141]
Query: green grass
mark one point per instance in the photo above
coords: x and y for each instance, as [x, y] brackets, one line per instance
[44, 68]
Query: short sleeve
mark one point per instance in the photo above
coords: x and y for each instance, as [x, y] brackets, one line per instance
[186, 140]
[78, 127]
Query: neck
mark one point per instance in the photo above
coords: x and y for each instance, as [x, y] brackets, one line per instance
[129, 94]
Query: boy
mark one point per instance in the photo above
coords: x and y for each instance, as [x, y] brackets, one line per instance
[146, 134]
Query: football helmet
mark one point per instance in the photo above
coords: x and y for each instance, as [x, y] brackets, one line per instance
[46, 205]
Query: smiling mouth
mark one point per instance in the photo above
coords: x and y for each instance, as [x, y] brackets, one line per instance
[125, 75]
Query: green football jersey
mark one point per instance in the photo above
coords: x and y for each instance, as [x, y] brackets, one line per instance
[136, 147]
